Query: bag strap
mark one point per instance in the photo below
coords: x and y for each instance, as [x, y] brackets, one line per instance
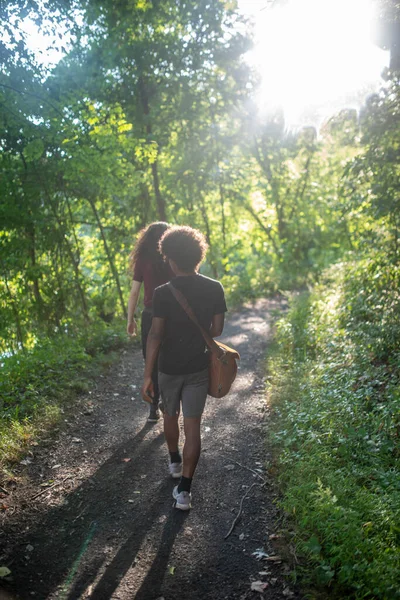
[211, 343]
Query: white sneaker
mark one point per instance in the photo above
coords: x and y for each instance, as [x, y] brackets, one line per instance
[154, 415]
[183, 499]
[175, 470]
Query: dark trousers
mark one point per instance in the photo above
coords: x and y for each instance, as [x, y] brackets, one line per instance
[145, 328]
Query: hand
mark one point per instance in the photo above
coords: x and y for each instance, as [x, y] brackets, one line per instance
[132, 328]
[147, 390]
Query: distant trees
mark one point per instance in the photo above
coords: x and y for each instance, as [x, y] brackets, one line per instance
[124, 130]
[149, 116]
[372, 181]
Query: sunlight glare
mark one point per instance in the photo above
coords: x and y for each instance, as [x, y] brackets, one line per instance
[43, 45]
[314, 55]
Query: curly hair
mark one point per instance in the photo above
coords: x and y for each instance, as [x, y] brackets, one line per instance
[187, 247]
[147, 246]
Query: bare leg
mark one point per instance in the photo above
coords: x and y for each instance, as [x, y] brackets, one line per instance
[192, 446]
[171, 432]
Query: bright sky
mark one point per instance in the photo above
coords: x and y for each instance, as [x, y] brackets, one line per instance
[314, 56]
[47, 48]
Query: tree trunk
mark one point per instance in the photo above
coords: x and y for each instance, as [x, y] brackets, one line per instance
[162, 215]
[75, 266]
[266, 165]
[144, 196]
[63, 237]
[222, 204]
[14, 309]
[220, 184]
[109, 257]
[265, 229]
[30, 234]
[395, 227]
[204, 214]
[144, 98]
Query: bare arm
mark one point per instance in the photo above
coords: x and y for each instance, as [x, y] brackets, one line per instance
[154, 340]
[217, 325]
[131, 327]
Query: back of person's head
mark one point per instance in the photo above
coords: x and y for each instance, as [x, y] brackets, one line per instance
[147, 244]
[187, 247]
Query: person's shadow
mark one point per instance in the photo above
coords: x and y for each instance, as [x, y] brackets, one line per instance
[151, 586]
[66, 542]
[125, 558]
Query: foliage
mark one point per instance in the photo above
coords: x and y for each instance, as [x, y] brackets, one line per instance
[335, 390]
[51, 368]
[36, 385]
[371, 182]
[130, 126]
[296, 204]
[148, 116]
[335, 373]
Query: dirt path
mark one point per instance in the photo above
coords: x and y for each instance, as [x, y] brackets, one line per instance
[107, 530]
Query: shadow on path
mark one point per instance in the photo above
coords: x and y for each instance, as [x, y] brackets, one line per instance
[116, 535]
[104, 499]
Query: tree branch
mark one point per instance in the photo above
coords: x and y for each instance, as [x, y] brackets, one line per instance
[33, 95]
[262, 226]
[301, 188]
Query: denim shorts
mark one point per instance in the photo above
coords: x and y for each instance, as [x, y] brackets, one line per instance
[190, 390]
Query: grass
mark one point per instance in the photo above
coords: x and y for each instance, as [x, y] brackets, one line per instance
[37, 386]
[336, 398]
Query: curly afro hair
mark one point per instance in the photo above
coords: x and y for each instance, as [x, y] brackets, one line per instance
[187, 247]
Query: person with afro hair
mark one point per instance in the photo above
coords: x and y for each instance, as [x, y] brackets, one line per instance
[181, 350]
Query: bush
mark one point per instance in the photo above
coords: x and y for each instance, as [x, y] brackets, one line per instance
[35, 384]
[337, 422]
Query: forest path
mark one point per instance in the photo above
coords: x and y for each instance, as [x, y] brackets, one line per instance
[108, 529]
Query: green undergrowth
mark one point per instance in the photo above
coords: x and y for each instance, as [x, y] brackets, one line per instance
[334, 389]
[36, 386]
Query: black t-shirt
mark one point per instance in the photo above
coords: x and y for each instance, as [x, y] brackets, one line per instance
[183, 349]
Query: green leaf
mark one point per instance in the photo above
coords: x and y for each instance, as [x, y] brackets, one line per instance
[33, 150]
[313, 545]
[4, 571]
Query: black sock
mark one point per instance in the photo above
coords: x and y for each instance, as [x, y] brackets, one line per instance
[184, 484]
[175, 457]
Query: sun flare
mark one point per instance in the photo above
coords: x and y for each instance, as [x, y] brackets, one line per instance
[314, 56]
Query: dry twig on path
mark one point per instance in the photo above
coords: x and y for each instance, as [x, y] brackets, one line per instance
[236, 519]
[251, 470]
[46, 489]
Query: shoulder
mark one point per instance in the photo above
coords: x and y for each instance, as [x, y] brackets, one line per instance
[162, 290]
[211, 284]
[161, 300]
[143, 265]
